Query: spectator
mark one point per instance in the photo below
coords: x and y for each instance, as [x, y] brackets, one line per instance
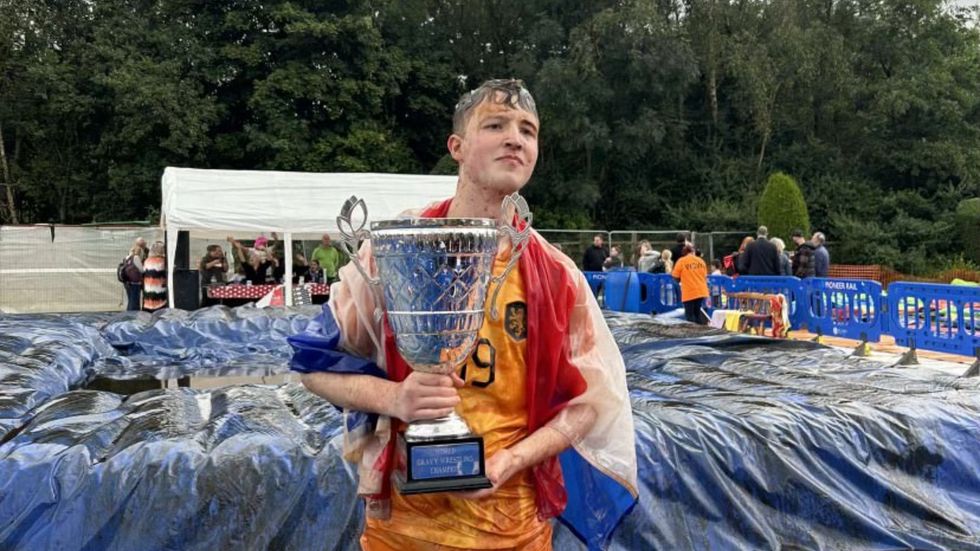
[615, 259]
[716, 267]
[648, 259]
[131, 275]
[328, 257]
[730, 262]
[803, 257]
[315, 274]
[693, 275]
[821, 256]
[155, 278]
[213, 266]
[760, 257]
[785, 265]
[677, 250]
[256, 260]
[595, 255]
[144, 251]
[665, 257]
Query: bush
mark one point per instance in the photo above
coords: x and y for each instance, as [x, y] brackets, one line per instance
[782, 207]
[968, 224]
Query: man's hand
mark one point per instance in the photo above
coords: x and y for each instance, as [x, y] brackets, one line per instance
[500, 467]
[426, 396]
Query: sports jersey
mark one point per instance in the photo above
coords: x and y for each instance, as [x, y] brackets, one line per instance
[493, 405]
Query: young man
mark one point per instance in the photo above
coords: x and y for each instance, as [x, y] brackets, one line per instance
[595, 255]
[546, 379]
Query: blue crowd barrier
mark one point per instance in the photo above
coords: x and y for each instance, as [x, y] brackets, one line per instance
[720, 287]
[661, 293]
[849, 308]
[595, 281]
[621, 291]
[935, 317]
[790, 287]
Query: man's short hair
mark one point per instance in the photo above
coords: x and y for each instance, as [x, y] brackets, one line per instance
[682, 237]
[820, 238]
[797, 233]
[763, 231]
[505, 91]
[599, 235]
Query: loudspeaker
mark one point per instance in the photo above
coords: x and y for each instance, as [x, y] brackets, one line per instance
[187, 289]
[182, 256]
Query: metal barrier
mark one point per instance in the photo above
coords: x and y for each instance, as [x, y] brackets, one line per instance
[935, 317]
[849, 308]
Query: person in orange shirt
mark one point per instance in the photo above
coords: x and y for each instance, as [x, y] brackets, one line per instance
[545, 380]
[692, 272]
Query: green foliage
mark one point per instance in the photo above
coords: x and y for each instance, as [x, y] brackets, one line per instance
[654, 114]
[782, 208]
[968, 225]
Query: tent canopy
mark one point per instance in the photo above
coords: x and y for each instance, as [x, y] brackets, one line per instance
[285, 202]
[293, 202]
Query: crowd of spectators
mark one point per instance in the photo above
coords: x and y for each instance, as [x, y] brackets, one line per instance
[143, 272]
[757, 256]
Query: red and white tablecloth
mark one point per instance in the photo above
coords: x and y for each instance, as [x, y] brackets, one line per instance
[255, 292]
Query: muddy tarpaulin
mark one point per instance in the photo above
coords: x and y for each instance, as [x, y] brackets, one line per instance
[42, 357]
[747, 443]
[249, 467]
[742, 443]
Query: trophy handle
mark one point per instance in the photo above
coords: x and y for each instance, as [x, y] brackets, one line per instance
[518, 236]
[351, 237]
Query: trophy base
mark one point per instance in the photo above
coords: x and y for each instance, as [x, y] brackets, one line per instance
[440, 465]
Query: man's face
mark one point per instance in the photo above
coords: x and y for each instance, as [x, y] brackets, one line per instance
[798, 240]
[597, 241]
[141, 243]
[325, 240]
[499, 148]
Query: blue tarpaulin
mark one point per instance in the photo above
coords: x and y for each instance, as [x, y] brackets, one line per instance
[742, 442]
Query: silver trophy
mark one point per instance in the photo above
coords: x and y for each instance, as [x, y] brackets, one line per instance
[433, 278]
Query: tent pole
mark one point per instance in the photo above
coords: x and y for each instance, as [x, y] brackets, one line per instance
[171, 255]
[287, 276]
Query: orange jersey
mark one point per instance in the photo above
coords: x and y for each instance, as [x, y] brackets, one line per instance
[693, 274]
[493, 404]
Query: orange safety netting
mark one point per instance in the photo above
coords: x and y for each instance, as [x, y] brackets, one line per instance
[886, 275]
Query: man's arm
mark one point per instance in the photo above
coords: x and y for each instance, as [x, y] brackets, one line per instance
[419, 396]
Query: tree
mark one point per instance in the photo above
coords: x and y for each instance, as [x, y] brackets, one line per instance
[782, 208]
[968, 224]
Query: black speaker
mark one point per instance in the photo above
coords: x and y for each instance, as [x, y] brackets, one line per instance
[187, 289]
[182, 255]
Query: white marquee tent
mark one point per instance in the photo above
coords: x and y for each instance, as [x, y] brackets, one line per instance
[284, 202]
